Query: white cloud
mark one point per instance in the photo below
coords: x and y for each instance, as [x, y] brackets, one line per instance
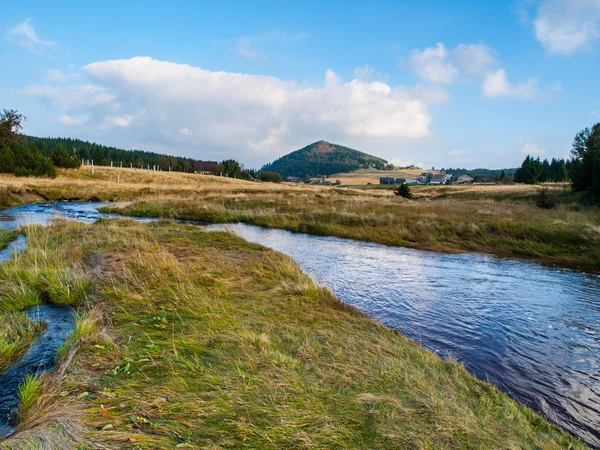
[25, 35]
[58, 76]
[368, 73]
[440, 65]
[118, 121]
[252, 117]
[533, 149]
[432, 93]
[565, 26]
[246, 50]
[70, 98]
[496, 84]
[72, 121]
[455, 153]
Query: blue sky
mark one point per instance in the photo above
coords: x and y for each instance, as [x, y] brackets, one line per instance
[469, 84]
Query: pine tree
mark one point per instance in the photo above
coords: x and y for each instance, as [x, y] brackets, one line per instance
[7, 160]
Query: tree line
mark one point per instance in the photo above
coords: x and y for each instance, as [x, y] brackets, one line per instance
[33, 156]
[583, 169]
[103, 155]
[533, 170]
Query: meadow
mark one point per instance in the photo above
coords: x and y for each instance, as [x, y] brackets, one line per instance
[192, 339]
[498, 219]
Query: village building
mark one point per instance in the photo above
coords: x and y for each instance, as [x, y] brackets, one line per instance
[464, 178]
[204, 167]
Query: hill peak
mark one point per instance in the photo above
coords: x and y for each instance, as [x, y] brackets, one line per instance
[323, 158]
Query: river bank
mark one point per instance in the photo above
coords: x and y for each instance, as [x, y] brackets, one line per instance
[6, 237]
[205, 340]
[500, 220]
[507, 229]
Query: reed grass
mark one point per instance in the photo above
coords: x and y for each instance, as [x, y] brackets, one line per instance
[17, 333]
[6, 237]
[568, 235]
[30, 390]
[498, 219]
[208, 341]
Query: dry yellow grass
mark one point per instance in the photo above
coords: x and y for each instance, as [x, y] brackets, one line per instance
[500, 219]
[118, 184]
[364, 176]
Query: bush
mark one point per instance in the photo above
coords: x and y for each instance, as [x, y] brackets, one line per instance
[22, 172]
[271, 177]
[544, 201]
[7, 160]
[61, 158]
[403, 191]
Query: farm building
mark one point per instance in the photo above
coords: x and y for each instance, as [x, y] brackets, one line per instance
[464, 178]
[204, 166]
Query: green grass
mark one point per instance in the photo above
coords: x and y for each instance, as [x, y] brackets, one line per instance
[563, 236]
[30, 390]
[17, 333]
[41, 273]
[6, 237]
[204, 340]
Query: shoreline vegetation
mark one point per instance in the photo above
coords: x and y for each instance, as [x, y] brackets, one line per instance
[6, 237]
[196, 339]
[497, 219]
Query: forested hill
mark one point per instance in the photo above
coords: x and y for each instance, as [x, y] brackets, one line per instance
[103, 155]
[322, 159]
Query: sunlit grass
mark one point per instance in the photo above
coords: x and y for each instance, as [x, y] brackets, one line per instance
[30, 390]
[204, 340]
[6, 237]
[437, 220]
[17, 332]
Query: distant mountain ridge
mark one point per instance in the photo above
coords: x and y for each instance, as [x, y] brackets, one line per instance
[323, 159]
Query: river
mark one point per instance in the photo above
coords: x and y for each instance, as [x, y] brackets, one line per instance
[532, 330]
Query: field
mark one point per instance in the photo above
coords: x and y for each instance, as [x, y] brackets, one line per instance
[364, 176]
[498, 219]
[191, 339]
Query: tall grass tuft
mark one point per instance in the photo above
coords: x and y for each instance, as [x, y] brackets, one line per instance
[17, 332]
[30, 390]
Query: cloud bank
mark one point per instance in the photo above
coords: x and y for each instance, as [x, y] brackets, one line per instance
[190, 110]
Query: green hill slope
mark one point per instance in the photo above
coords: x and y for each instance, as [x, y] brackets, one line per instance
[322, 159]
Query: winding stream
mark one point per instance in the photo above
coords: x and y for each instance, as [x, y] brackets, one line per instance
[40, 357]
[533, 331]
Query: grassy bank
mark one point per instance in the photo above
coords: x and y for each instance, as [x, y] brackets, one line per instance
[207, 341]
[6, 237]
[17, 333]
[568, 235]
[498, 219]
